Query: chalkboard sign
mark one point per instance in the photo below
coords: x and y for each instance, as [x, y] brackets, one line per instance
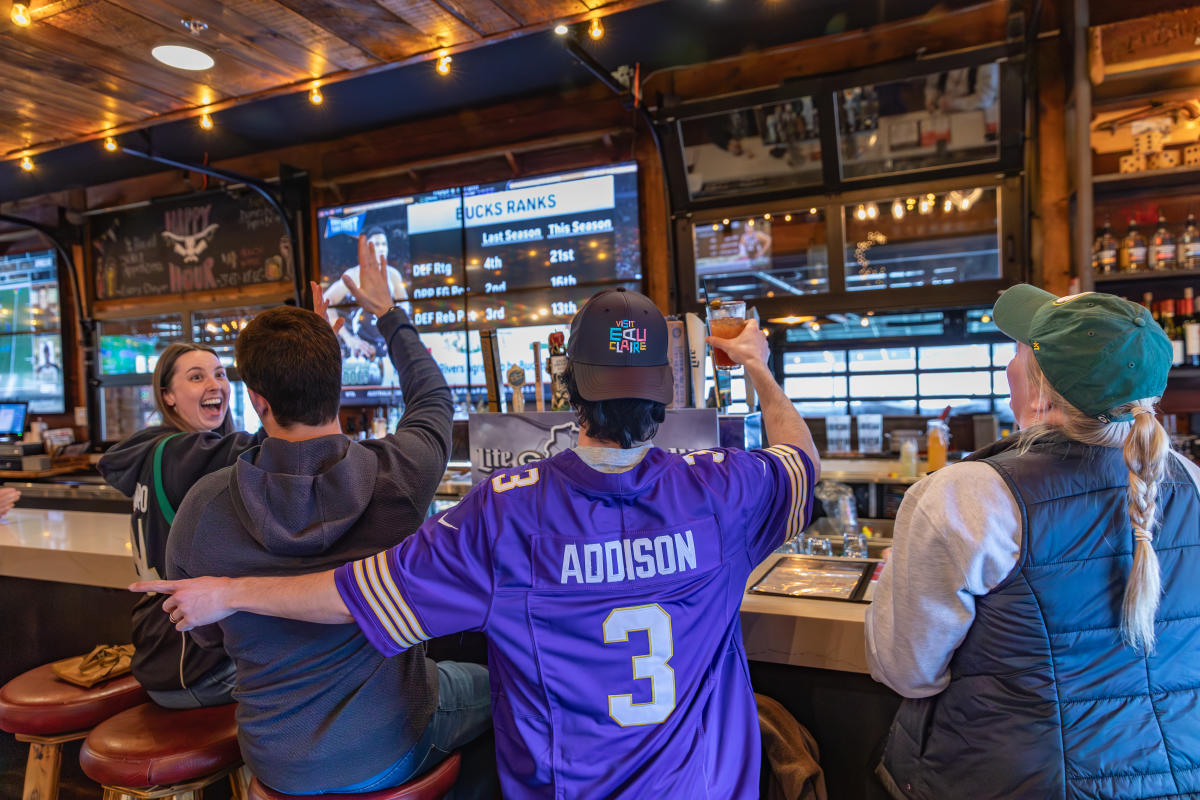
[197, 243]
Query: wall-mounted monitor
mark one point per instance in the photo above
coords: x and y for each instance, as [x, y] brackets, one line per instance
[518, 253]
[31, 361]
[553, 231]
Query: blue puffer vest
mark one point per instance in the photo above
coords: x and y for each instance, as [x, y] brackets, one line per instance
[1044, 700]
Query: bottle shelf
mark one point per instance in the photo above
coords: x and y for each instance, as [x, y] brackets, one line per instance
[1145, 275]
[1147, 181]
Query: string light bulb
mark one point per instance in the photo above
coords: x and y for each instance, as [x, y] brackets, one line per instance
[110, 144]
[27, 164]
[443, 64]
[315, 97]
[595, 29]
[20, 15]
[897, 209]
[206, 122]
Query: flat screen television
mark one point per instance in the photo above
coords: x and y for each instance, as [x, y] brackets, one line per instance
[553, 231]
[517, 253]
[31, 359]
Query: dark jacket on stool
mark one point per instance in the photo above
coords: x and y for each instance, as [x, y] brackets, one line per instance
[318, 706]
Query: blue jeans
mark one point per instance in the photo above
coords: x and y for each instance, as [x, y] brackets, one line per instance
[464, 713]
[214, 689]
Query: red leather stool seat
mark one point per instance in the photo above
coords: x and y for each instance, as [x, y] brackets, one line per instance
[36, 703]
[433, 785]
[153, 746]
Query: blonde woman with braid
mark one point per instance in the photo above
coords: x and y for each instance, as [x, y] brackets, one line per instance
[1040, 612]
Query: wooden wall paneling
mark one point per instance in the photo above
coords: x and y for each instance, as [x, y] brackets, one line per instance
[483, 16]
[231, 34]
[131, 35]
[935, 32]
[431, 19]
[1051, 245]
[284, 22]
[365, 24]
[657, 266]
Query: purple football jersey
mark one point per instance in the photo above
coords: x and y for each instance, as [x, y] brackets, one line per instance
[610, 603]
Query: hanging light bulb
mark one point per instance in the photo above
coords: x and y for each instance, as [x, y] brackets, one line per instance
[596, 30]
[860, 213]
[20, 15]
[27, 164]
[110, 144]
[897, 209]
[947, 206]
[767, 217]
[206, 122]
[872, 211]
[315, 97]
[443, 63]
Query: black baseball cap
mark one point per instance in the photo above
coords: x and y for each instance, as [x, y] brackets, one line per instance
[618, 348]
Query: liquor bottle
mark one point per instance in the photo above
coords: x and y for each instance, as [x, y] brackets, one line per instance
[1189, 245]
[1191, 329]
[1164, 254]
[1173, 331]
[1104, 251]
[1133, 249]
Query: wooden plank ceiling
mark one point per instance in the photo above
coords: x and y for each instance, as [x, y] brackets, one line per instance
[83, 69]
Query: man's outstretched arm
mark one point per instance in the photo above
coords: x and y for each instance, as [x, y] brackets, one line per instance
[202, 601]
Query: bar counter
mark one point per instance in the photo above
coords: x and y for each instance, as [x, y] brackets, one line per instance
[92, 549]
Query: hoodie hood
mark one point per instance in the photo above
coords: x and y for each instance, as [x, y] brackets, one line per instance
[121, 464]
[300, 498]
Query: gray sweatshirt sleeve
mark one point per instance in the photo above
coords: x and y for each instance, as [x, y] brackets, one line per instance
[957, 536]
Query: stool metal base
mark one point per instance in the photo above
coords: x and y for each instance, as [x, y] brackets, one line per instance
[238, 780]
[44, 763]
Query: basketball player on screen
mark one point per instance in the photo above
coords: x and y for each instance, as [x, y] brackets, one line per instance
[608, 579]
[361, 336]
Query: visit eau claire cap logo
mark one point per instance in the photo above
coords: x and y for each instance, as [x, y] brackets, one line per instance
[625, 338]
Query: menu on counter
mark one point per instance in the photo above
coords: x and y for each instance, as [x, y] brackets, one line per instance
[816, 577]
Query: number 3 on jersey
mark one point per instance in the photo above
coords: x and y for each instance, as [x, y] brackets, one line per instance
[653, 666]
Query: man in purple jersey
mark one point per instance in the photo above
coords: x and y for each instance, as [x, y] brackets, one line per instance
[608, 580]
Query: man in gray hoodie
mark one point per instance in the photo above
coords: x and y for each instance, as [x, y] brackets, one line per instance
[319, 709]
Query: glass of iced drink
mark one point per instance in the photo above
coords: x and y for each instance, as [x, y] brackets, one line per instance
[726, 318]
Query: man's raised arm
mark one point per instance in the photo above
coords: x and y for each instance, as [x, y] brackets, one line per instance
[202, 601]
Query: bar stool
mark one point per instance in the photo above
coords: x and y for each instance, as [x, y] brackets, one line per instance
[46, 712]
[153, 752]
[433, 785]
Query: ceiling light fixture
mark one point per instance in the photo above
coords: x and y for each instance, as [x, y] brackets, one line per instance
[596, 30]
[206, 122]
[20, 15]
[27, 164]
[183, 57]
[561, 29]
[110, 144]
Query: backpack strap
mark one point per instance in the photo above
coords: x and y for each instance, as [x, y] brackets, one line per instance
[160, 494]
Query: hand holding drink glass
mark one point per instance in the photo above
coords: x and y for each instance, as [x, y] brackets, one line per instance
[726, 320]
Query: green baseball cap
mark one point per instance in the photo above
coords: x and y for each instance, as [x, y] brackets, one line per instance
[1098, 351]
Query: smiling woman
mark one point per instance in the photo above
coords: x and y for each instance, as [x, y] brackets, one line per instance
[156, 466]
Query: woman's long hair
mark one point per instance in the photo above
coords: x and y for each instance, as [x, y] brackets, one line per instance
[164, 371]
[1146, 447]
